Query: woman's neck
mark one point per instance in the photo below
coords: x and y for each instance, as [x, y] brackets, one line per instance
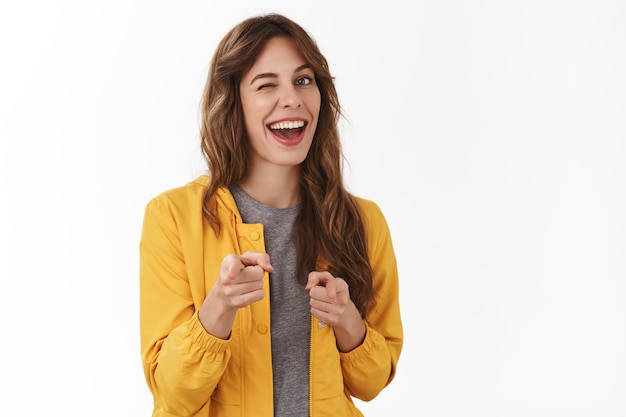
[276, 188]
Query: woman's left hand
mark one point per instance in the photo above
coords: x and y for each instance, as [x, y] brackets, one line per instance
[331, 304]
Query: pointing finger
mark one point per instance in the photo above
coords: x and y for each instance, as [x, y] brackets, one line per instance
[318, 278]
[331, 288]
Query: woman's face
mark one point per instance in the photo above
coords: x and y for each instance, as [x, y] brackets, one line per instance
[281, 104]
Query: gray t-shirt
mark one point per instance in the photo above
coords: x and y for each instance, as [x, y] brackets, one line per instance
[289, 305]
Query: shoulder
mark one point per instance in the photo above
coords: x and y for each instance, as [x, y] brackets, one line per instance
[375, 223]
[370, 211]
[181, 199]
[187, 201]
[373, 218]
[190, 190]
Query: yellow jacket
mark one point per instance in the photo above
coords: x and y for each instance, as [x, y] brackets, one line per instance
[192, 373]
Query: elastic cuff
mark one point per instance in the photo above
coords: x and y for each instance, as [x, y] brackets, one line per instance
[204, 339]
[360, 351]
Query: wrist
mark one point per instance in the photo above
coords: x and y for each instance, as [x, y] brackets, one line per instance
[351, 333]
[216, 318]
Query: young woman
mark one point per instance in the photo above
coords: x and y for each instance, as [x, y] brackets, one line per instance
[267, 289]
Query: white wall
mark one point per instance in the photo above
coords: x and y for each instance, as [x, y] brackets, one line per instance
[491, 133]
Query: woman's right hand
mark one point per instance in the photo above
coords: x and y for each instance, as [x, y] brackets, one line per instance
[239, 284]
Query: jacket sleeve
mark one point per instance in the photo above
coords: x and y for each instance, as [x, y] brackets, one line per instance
[182, 363]
[371, 366]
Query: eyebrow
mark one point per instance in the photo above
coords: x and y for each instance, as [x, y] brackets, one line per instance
[274, 75]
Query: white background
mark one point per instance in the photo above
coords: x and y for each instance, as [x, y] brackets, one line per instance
[492, 134]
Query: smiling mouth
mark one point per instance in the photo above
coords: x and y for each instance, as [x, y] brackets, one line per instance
[289, 129]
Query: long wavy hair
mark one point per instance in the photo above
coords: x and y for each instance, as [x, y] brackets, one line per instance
[329, 228]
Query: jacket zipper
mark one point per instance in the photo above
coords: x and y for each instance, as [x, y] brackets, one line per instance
[311, 368]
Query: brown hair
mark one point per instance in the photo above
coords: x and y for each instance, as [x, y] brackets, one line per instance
[329, 227]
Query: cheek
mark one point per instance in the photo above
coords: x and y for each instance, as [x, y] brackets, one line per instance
[247, 119]
[315, 103]
[257, 109]
[251, 114]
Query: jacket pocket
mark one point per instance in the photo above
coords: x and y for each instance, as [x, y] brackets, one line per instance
[339, 406]
[228, 390]
[327, 376]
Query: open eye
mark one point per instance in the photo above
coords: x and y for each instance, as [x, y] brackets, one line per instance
[306, 80]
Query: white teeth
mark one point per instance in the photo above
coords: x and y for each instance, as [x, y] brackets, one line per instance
[288, 125]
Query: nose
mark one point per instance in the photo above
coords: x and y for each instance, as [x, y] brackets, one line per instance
[289, 97]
